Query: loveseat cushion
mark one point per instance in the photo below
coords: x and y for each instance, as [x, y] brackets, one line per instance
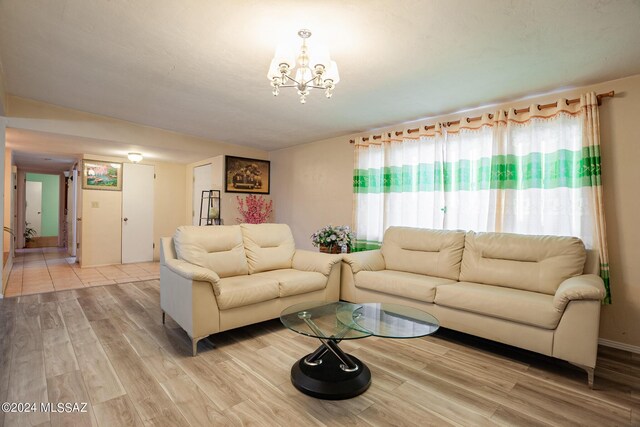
[532, 263]
[530, 308]
[295, 282]
[268, 246]
[408, 285]
[423, 251]
[218, 248]
[239, 291]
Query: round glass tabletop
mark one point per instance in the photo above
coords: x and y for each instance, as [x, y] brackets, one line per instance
[321, 320]
[343, 320]
[392, 320]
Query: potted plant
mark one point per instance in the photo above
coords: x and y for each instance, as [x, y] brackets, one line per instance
[29, 233]
[333, 240]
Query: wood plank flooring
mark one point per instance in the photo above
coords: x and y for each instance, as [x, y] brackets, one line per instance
[107, 346]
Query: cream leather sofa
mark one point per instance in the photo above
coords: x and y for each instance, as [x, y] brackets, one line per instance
[217, 278]
[526, 291]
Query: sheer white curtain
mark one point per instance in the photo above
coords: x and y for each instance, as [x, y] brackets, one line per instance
[545, 194]
[398, 182]
[470, 199]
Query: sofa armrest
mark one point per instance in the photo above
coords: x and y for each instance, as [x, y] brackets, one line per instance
[314, 261]
[193, 272]
[584, 287]
[365, 260]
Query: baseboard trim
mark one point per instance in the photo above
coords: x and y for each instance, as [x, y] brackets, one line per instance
[619, 345]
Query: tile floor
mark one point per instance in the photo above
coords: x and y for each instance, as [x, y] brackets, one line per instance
[41, 270]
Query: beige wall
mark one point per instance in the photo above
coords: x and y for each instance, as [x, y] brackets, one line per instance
[3, 93]
[101, 235]
[172, 204]
[229, 202]
[169, 200]
[312, 187]
[2, 161]
[101, 238]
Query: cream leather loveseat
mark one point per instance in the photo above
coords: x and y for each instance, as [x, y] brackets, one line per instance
[526, 291]
[217, 278]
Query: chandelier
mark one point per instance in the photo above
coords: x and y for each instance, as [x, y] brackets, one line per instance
[310, 67]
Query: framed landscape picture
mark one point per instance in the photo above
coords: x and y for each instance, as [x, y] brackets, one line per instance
[243, 175]
[99, 175]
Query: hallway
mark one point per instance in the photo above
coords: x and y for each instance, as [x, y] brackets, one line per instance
[41, 270]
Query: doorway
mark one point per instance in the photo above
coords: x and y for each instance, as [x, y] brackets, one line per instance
[42, 210]
[202, 181]
[33, 209]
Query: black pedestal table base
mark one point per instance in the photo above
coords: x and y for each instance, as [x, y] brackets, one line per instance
[328, 380]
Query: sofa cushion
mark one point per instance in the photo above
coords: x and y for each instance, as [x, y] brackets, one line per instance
[218, 248]
[409, 285]
[532, 263]
[294, 282]
[419, 250]
[530, 308]
[239, 291]
[268, 246]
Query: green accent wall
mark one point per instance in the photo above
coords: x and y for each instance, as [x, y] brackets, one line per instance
[50, 202]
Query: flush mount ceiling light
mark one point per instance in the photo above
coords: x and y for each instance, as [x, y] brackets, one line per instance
[308, 67]
[135, 157]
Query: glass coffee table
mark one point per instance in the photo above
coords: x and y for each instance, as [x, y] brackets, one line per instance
[330, 373]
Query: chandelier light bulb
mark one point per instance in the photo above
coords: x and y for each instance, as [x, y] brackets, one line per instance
[308, 67]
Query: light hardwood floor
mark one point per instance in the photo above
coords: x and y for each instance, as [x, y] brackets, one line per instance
[107, 346]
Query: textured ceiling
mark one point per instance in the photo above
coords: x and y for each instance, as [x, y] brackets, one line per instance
[54, 163]
[199, 66]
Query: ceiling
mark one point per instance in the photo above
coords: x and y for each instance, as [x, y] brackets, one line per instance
[39, 162]
[199, 67]
[37, 146]
[55, 153]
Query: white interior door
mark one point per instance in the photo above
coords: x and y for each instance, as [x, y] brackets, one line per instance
[202, 181]
[137, 213]
[33, 212]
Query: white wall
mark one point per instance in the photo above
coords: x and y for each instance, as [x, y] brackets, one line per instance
[312, 186]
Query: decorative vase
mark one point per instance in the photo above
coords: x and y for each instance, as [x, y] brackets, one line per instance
[333, 249]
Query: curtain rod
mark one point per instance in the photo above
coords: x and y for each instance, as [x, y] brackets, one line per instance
[474, 119]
